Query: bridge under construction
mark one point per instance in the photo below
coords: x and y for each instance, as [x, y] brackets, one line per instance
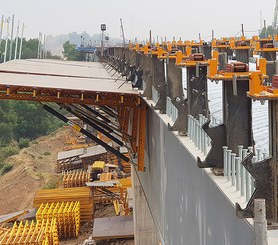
[195, 181]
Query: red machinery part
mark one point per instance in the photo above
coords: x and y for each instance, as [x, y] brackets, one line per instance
[241, 43]
[237, 67]
[268, 45]
[275, 81]
[197, 57]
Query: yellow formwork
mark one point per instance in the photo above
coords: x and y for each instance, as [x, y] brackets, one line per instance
[80, 194]
[66, 214]
[75, 179]
[40, 233]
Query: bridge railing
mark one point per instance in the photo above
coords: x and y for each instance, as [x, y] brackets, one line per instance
[236, 173]
[171, 109]
[197, 134]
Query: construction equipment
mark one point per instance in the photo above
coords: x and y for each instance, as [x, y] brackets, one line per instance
[40, 233]
[66, 214]
[75, 178]
[80, 194]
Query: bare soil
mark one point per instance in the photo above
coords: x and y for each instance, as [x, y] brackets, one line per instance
[33, 168]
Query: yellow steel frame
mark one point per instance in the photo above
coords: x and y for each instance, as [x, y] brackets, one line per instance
[41, 233]
[142, 135]
[67, 96]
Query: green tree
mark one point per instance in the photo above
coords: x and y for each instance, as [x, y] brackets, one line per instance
[23, 119]
[29, 49]
[32, 120]
[71, 53]
[7, 121]
[269, 30]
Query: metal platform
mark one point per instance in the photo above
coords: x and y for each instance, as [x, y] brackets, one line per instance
[113, 227]
[63, 81]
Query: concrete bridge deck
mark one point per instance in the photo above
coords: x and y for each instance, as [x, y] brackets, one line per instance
[83, 76]
[175, 201]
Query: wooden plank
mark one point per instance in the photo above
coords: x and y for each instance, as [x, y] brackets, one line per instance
[12, 216]
[113, 227]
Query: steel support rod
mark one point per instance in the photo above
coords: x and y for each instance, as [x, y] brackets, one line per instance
[233, 163]
[96, 113]
[238, 173]
[225, 148]
[229, 152]
[85, 132]
[95, 126]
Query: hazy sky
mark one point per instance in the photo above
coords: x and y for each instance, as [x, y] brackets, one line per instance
[165, 18]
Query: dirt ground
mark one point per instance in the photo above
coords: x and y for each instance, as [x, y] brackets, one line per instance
[33, 168]
[86, 230]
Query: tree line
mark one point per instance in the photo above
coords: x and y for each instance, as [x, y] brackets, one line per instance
[24, 120]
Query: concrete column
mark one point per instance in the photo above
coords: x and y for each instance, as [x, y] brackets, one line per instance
[273, 149]
[242, 55]
[197, 91]
[206, 50]
[174, 80]
[260, 223]
[237, 115]
[273, 130]
[147, 75]
[159, 83]
[269, 56]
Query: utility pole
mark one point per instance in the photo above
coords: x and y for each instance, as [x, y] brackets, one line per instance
[242, 30]
[123, 33]
[1, 28]
[7, 38]
[21, 39]
[41, 49]
[16, 40]
[44, 47]
[11, 42]
[39, 46]
[212, 34]
[265, 29]
[103, 29]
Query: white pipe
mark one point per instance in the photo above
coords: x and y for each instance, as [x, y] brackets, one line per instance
[16, 42]
[21, 39]
[7, 38]
[1, 28]
[11, 42]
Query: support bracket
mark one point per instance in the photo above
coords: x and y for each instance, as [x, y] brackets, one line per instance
[182, 122]
[262, 173]
[214, 158]
[161, 103]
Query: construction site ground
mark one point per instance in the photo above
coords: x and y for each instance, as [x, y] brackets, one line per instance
[33, 169]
